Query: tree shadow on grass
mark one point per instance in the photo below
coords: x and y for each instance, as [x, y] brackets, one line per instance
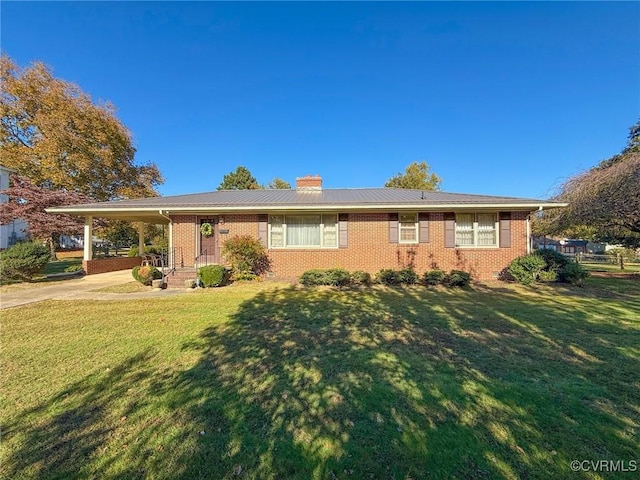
[77, 424]
[381, 383]
[408, 384]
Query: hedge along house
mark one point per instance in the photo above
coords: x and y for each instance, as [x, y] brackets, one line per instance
[356, 229]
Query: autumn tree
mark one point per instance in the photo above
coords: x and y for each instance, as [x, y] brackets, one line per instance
[53, 133]
[278, 184]
[416, 176]
[28, 202]
[240, 179]
[603, 201]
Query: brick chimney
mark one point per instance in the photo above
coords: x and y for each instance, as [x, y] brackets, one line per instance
[309, 183]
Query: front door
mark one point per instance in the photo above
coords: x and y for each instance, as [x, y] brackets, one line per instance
[208, 242]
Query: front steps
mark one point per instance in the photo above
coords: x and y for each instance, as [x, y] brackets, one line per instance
[177, 278]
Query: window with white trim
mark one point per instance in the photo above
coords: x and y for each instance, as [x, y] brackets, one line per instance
[476, 230]
[303, 231]
[408, 227]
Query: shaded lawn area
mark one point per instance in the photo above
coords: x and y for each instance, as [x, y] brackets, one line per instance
[59, 266]
[275, 382]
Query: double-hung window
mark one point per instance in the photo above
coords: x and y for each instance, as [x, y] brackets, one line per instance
[303, 231]
[408, 226]
[476, 230]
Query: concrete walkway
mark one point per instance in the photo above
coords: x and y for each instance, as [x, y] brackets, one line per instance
[80, 289]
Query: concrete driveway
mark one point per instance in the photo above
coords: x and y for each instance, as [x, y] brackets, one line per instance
[79, 289]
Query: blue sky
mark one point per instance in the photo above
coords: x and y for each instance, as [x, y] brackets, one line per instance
[499, 98]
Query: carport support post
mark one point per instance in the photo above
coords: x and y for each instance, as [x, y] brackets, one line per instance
[88, 237]
[141, 239]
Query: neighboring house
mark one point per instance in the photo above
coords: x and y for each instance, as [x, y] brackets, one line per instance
[546, 243]
[356, 229]
[571, 247]
[14, 231]
[566, 246]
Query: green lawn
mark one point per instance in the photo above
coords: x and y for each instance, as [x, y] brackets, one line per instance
[59, 266]
[611, 267]
[270, 381]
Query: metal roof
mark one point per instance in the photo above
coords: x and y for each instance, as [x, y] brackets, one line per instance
[327, 197]
[360, 199]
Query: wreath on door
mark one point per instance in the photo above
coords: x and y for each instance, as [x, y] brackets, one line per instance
[206, 229]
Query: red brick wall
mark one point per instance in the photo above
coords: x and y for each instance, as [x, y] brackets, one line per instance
[103, 265]
[184, 238]
[369, 248]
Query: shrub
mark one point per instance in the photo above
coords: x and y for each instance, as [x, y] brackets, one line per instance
[360, 278]
[146, 274]
[246, 255]
[547, 266]
[388, 277]
[548, 276]
[573, 273]
[338, 277]
[213, 275]
[313, 277]
[23, 261]
[457, 278]
[554, 260]
[527, 268]
[408, 276]
[434, 277]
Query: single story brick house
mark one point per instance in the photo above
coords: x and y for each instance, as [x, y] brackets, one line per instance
[356, 229]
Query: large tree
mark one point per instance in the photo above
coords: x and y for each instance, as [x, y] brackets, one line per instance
[28, 202]
[240, 179]
[53, 133]
[416, 176]
[603, 201]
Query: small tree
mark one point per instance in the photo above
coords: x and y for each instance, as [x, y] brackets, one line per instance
[278, 184]
[23, 261]
[28, 202]
[246, 255]
[416, 176]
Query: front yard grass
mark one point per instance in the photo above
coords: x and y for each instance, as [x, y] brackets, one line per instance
[129, 287]
[271, 381]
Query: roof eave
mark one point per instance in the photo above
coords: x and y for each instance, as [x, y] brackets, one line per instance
[158, 212]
